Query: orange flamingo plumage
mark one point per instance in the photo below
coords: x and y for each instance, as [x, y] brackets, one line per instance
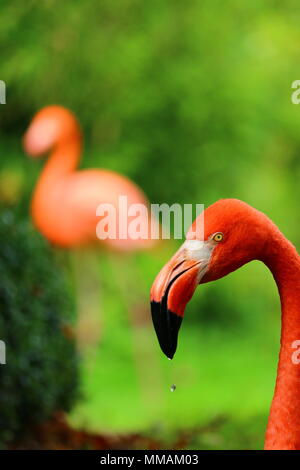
[65, 200]
[233, 234]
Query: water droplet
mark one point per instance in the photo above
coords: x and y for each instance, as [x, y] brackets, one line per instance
[173, 388]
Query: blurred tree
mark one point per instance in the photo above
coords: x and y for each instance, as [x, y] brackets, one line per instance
[40, 376]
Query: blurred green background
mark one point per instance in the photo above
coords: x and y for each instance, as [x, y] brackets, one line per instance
[191, 100]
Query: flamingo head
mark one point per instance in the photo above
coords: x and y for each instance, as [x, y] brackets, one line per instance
[48, 127]
[230, 234]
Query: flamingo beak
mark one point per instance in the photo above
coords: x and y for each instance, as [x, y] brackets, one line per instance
[173, 288]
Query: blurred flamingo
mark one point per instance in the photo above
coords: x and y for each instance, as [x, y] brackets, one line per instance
[65, 201]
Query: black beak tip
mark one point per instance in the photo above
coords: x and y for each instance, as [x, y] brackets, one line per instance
[166, 325]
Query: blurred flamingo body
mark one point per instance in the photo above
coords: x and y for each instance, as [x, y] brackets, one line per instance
[65, 200]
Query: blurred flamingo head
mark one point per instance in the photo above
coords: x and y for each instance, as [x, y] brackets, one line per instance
[49, 127]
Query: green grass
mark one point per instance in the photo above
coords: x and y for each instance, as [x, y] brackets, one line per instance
[224, 368]
[220, 377]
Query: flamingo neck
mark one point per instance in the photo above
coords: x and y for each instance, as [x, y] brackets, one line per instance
[64, 158]
[283, 430]
[62, 161]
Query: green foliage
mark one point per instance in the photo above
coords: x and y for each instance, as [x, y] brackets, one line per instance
[40, 374]
[201, 88]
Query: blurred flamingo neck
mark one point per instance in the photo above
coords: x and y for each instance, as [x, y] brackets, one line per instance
[63, 159]
[283, 431]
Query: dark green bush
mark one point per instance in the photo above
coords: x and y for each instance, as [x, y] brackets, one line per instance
[41, 374]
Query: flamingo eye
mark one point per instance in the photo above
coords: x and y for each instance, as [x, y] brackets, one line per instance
[218, 237]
